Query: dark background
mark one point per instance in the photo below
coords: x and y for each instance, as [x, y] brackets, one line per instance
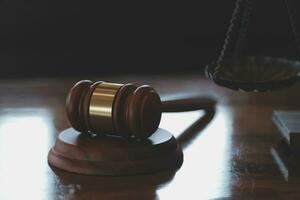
[46, 38]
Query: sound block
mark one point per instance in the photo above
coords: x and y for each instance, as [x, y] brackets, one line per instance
[110, 155]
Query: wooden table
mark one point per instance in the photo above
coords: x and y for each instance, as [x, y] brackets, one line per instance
[226, 154]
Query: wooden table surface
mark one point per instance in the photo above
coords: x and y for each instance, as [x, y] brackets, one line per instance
[226, 154]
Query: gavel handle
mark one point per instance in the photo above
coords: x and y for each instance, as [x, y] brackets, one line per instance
[187, 104]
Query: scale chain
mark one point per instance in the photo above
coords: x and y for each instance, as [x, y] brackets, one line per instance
[235, 18]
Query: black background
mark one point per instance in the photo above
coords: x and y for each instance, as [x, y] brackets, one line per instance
[58, 38]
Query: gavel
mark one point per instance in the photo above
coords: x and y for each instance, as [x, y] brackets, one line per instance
[125, 110]
[115, 129]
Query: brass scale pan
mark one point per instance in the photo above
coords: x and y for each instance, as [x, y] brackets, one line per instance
[253, 73]
[258, 74]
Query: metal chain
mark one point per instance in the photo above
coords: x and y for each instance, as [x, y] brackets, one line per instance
[228, 37]
[243, 29]
[293, 23]
[235, 18]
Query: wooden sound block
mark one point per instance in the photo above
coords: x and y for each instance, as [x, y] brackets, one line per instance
[110, 155]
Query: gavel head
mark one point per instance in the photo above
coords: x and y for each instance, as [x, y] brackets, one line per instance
[114, 109]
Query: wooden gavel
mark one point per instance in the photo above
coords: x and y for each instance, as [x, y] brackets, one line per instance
[123, 110]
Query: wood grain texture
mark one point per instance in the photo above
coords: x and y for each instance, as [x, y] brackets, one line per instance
[226, 155]
[74, 99]
[115, 156]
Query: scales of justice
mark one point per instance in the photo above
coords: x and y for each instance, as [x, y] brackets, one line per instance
[263, 74]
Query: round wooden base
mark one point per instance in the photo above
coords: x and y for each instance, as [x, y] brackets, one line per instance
[107, 155]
